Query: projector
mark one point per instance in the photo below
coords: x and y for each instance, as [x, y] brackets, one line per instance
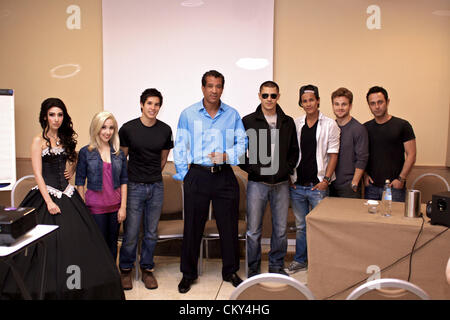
[15, 222]
[438, 209]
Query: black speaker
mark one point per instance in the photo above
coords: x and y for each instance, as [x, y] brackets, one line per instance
[438, 209]
[15, 222]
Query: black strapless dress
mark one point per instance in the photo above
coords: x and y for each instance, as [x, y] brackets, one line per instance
[78, 242]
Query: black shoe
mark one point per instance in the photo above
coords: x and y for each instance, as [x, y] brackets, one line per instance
[234, 279]
[279, 271]
[185, 285]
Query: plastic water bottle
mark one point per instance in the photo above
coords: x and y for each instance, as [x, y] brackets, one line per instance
[387, 199]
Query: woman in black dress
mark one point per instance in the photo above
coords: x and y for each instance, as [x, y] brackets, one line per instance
[78, 243]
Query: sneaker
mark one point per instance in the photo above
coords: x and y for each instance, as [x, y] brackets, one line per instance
[296, 266]
[127, 281]
[279, 271]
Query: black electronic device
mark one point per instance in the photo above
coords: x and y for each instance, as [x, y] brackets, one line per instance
[15, 222]
[438, 209]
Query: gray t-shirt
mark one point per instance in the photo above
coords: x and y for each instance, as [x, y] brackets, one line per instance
[353, 152]
[272, 121]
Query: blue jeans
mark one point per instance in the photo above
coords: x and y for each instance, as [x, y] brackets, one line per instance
[376, 193]
[143, 201]
[257, 196]
[303, 200]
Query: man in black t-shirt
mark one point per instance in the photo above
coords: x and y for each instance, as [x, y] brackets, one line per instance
[392, 148]
[147, 141]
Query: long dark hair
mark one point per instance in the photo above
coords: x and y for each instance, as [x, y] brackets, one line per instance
[65, 132]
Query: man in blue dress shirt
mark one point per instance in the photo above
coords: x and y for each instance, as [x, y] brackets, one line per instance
[210, 137]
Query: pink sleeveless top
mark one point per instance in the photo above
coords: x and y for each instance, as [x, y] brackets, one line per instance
[107, 200]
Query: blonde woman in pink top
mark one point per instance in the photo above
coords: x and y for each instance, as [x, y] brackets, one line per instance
[104, 166]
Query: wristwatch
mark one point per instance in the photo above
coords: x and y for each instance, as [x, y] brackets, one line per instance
[401, 179]
[327, 179]
[354, 187]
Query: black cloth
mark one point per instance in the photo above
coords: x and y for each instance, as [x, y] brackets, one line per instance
[287, 147]
[200, 187]
[386, 149]
[144, 149]
[78, 242]
[307, 169]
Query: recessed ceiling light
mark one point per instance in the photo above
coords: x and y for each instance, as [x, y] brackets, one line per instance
[192, 3]
[252, 63]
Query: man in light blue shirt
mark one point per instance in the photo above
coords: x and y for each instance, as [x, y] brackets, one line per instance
[210, 137]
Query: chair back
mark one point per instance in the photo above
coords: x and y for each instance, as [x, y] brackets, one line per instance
[173, 198]
[21, 188]
[271, 286]
[429, 184]
[242, 196]
[388, 289]
[171, 223]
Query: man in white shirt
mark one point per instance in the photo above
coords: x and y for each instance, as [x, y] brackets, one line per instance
[319, 138]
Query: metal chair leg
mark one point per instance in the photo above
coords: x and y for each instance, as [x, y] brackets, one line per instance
[200, 259]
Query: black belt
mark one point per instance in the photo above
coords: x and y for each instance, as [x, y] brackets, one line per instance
[309, 184]
[212, 169]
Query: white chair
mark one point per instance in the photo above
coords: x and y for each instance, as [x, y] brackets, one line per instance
[21, 188]
[271, 286]
[388, 289]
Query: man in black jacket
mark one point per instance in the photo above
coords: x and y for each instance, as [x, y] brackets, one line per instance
[271, 158]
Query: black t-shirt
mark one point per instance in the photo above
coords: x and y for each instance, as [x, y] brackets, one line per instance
[144, 149]
[307, 169]
[386, 149]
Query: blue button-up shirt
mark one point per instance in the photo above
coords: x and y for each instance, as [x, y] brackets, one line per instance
[198, 134]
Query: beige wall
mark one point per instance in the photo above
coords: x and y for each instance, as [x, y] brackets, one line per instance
[328, 44]
[323, 42]
[35, 40]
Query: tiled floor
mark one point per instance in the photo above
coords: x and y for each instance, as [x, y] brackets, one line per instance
[209, 286]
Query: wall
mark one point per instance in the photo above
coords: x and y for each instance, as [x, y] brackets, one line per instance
[35, 40]
[327, 43]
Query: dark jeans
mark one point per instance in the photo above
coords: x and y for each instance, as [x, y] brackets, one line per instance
[201, 187]
[375, 193]
[345, 191]
[109, 227]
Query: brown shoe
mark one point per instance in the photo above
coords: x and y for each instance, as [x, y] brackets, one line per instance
[127, 281]
[149, 279]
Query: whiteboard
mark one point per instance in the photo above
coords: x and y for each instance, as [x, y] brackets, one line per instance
[169, 45]
[7, 140]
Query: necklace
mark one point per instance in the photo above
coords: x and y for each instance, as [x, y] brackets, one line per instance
[58, 141]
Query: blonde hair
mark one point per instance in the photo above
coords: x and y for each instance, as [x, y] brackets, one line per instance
[96, 125]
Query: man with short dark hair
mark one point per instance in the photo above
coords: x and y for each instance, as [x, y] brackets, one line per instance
[392, 148]
[353, 150]
[318, 138]
[272, 156]
[210, 137]
[147, 158]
